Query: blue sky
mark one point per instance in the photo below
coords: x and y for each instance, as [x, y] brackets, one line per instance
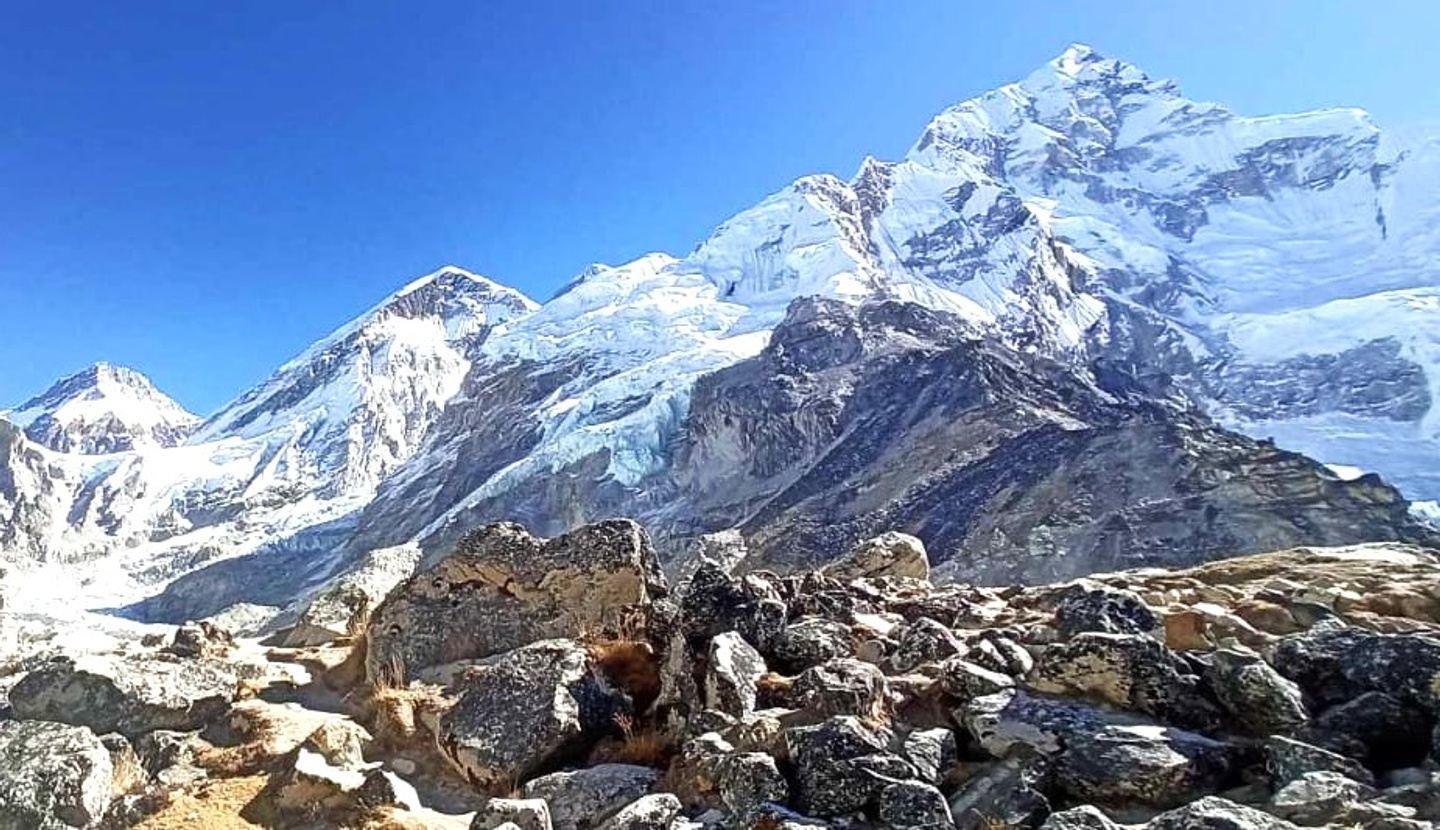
[199, 190]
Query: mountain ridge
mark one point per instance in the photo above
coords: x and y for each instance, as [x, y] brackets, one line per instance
[1086, 215]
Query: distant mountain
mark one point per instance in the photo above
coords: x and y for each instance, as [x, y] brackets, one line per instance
[1016, 342]
[103, 409]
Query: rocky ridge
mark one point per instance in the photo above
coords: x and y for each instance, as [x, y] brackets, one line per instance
[566, 683]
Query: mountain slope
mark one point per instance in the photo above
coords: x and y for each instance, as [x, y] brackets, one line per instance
[1087, 222]
[103, 409]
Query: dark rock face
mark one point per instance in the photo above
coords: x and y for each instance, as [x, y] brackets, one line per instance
[858, 420]
[1009, 468]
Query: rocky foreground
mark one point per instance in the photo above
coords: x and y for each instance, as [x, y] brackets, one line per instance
[567, 684]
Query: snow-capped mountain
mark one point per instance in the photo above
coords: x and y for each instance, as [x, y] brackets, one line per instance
[1278, 272]
[302, 449]
[103, 409]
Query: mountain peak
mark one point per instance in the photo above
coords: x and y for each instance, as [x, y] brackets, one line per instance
[103, 408]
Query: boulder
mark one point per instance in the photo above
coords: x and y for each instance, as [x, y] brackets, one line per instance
[657, 811]
[924, 641]
[528, 709]
[1378, 728]
[1000, 653]
[841, 765]
[1317, 798]
[1007, 793]
[1088, 606]
[200, 639]
[1002, 720]
[1215, 813]
[1258, 698]
[52, 776]
[1334, 663]
[131, 695]
[583, 799]
[1084, 817]
[732, 674]
[810, 642]
[889, 554]
[502, 588]
[523, 813]
[912, 804]
[1287, 759]
[747, 781]
[842, 687]
[932, 752]
[1153, 765]
[1132, 671]
[967, 681]
[343, 606]
[715, 601]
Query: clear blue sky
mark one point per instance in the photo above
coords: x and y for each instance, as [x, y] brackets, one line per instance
[201, 189]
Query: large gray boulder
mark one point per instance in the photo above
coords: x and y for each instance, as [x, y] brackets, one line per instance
[889, 554]
[1132, 671]
[1334, 664]
[132, 694]
[52, 776]
[1215, 813]
[1088, 606]
[1260, 699]
[732, 675]
[583, 799]
[502, 588]
[841, 765]
[1127, 765]
[344, 606]
[531, 708]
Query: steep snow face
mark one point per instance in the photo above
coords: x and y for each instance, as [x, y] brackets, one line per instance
[344, 413]
[103, 409]
[1289, 262]
[306, 447]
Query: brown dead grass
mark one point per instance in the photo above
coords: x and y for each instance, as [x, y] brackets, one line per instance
[631, 665]
[395, 715]
[645, 745]
[213, 805]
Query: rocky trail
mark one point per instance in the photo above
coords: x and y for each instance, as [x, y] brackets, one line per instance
[521, 683]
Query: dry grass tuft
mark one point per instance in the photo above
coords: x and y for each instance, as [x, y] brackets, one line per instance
[644, 745]
[396, 715]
